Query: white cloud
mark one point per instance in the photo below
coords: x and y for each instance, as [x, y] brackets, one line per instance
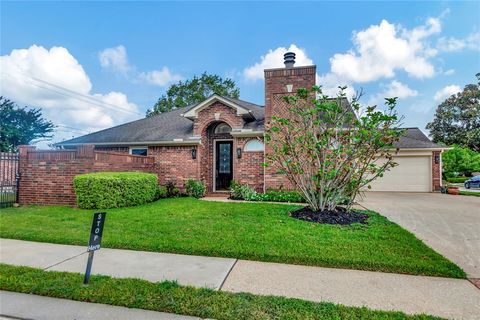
[330, 84]
[446, 92]
[393, 89]
[449, 72]
[160, 77]
[400, 90]
[450, 44]
[380, 50]
[115, 59]
[55, 81]
[274, 59]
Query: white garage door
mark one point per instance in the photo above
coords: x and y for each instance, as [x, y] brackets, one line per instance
[413, 174]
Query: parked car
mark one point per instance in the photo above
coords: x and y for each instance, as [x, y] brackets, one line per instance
[473, 182]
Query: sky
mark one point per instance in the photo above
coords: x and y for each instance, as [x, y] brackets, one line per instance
[92, 65]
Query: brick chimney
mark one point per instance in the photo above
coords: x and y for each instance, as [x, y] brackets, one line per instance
[280, 82]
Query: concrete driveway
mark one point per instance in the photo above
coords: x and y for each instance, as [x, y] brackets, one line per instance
[449, 224]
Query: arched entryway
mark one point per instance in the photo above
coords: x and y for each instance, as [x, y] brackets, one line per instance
[217, 165]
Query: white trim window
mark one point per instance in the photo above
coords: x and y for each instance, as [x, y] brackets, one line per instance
[139, 151]
[223, 128]
[254, 145]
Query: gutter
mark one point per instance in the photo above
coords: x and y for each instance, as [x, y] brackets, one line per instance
[139, 143]
[246, 133]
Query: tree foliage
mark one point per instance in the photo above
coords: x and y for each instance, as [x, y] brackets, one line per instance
[457, 119]
[460, 160]
[185, 93]
[326, 151]
[21, 126]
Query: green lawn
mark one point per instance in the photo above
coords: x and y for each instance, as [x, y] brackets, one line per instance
[253, 231]
[470, 193]
[171, 297]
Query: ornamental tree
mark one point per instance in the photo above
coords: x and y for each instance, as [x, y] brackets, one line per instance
[328, 152]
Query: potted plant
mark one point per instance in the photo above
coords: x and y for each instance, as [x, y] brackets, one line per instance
[452, 190]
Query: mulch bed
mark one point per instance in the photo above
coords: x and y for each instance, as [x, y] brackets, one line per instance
[338, 216]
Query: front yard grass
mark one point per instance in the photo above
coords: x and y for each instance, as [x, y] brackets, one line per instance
[170, 297]
[470, 193]
[252, 231]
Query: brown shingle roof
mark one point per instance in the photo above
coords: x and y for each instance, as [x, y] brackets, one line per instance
[171, 125]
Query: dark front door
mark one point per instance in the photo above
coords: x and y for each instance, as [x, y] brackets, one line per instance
[223, 165]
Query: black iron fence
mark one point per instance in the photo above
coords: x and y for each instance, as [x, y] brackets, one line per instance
[8, 179]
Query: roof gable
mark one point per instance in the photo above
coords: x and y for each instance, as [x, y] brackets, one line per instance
[241, 110]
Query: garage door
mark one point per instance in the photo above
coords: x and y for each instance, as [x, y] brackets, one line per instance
[413, 174]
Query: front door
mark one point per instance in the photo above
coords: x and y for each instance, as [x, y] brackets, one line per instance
[223, 165]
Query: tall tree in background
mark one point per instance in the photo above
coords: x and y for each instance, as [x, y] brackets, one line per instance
[457, 119]
[193, 91]
[21, 126]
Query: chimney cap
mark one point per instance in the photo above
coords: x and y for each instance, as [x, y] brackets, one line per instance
[289, 59]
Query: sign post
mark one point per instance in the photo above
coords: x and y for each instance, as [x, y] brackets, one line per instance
[95, 241]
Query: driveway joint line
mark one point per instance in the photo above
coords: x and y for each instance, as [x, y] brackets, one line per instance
[227, 275]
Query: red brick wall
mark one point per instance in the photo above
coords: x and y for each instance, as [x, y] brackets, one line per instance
[46, 178]
[204, 126]
[207, 116]
[276, 81]
[249, 169]
[175, 164]
[436, 171]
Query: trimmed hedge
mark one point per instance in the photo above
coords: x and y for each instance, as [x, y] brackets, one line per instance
[115, 189]
[457, 179]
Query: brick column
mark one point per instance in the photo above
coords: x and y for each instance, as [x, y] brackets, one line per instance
[23, 151]
[436, 170]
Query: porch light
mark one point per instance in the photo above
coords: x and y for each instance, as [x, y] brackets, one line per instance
[437, 159]
[194, 153]
[239, 153]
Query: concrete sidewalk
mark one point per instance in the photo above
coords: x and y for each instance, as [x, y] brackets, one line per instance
[28, 306]
[444, 297]
[196, 271]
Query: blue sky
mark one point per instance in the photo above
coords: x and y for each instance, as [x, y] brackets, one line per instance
[116, 58]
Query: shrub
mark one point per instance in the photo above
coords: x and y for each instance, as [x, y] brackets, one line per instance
[162, 192]
[242, 192]
[195, 188]
[457, 179]
[172, 191]
[114, 189]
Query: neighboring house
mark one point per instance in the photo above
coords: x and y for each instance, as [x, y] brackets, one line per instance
[221, 139]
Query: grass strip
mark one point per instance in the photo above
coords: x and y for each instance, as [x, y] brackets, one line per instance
[170, 297]
[470, 193]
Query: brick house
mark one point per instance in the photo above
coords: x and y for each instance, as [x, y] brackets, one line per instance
[221, 139]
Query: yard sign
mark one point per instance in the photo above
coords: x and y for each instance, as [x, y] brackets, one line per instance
[94, 241]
